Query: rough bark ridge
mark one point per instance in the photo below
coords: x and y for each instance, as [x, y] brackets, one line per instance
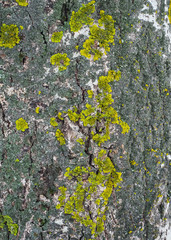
[29, 187]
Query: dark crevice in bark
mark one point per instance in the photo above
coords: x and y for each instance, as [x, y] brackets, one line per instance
[110, 147]
[4, 151]
[87, 145]
[30, 18]
[3, 132]
[82, 236]
[44, 39]
[8, 235]
[4, 155]
[11, 80]
[106, 234]
[41, 236]
[3, 116]
[66, 10]
[64, 13]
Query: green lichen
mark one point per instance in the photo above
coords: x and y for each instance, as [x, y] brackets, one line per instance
[12, 227]
[60, 60]
[82, 17]
[60, 137]
[89, 48]
[60, 116]
[80, 141]
[86, 190]
[104, 80]
[90, 93]
[105, 174]
[103, 111]
[73, 116]
[21, 124]
[89, 110]
[99, 37]
[22, 3]
[99, 139]
[169, 12]
[53, 122]
[9, 36]
[96, 182]
[124, 125]
[61, 197]
[57, 36]
[37, 110]
[86, 115]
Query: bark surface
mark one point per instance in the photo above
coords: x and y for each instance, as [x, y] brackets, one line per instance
[142, 52]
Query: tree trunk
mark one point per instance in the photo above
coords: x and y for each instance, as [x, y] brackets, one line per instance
[33, 162]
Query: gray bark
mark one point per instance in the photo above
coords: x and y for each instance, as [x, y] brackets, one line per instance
[29, 188]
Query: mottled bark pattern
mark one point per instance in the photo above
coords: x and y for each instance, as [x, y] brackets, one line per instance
[29, 188]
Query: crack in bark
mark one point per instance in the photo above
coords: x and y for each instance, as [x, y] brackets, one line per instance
[82, 236]
[3, 116]
[87, 145]
[44, 39]
[106, 234]
[30, 18]
[4, 151]
[41, 236]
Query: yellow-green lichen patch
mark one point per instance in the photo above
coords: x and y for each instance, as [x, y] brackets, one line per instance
[60, 60]
[73, 116]
[21, 124]
[9, 36]
[60, 137]
[96, 182]
[133, 162]
[37, 109]
[169, 12]
[124, 125]
[22, 3]
[89, 47]
[103, 111]
[12, 227]
[53, 122]
[82, 17]
[57, 36]
[80, 141]
[61, 197]
[105, 177]
[99, 139]
[105, 101]
[90, 93]
[60, 116]
[99, 37]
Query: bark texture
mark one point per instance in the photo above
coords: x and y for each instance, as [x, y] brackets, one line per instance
[29, 188]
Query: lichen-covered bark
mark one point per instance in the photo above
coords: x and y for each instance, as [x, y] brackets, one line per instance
[29, 187]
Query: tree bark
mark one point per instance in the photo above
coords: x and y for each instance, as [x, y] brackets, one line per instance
[142, 52]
